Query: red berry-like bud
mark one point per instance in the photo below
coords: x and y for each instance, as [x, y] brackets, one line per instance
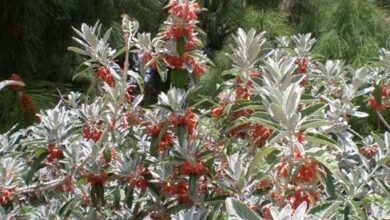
[217, 112]
[104, 74]
[369, 151]
[283, 169]
[307, 172]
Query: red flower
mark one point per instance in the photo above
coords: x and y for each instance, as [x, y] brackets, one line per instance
[177, 189]
[297, 154]
[154, 130]
[97, 179]
[186, 11]
[198, 69]
[369, 151]
[302, 64]
[217, 112]
[264, 184]
[175, 120]
[146, 57]
[92, 133]
[254, 73]
[307, 172]
[67, 185]
[190, 44]
[299, 196]
[175, 62]
[165, 142]
[139, 179]
[6, 195]
[260, 134]
[54, 153]
[103, 73]
[300, 137]
[242, 92]
[188, 168]
[283, 169]
[376, 106]
[177, 30]
[190, 121]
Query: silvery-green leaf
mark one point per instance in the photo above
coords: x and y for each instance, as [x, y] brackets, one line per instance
[239, 211]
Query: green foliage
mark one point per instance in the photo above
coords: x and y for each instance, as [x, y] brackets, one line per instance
[353, 30]
[36, 34]
[44, 95]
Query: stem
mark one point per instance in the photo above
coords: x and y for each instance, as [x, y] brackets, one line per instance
[368, 178]
[355, 133]
[383, 120]
[51, 184]
[137, 206]
[118, 104]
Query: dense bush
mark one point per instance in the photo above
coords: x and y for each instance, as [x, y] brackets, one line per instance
[276, 142]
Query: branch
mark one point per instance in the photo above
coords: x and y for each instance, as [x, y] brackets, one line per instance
[383, 120]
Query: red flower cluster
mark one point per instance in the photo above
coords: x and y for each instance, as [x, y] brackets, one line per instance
[197, 168]
[54, 153]
[97, 179]
[264, 184]
[300, 137]
[177, 30]
[307, 172]
[103, 73]
[67, 185]
[198, 68]
[185, 11]
[175, 62]
[380, 103]
[260, 134]
[242, 92]
[147, 57]
[369, 151]
[302, 63]
[299, 196]
[179, 190]
[139, 179]
[181, 28]
[154, 130]
[130, 119]
[375, 105]
[6, 195]
[166, 141]
[217, 112]
[92, 133]
[189, 120]
[283, 169]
